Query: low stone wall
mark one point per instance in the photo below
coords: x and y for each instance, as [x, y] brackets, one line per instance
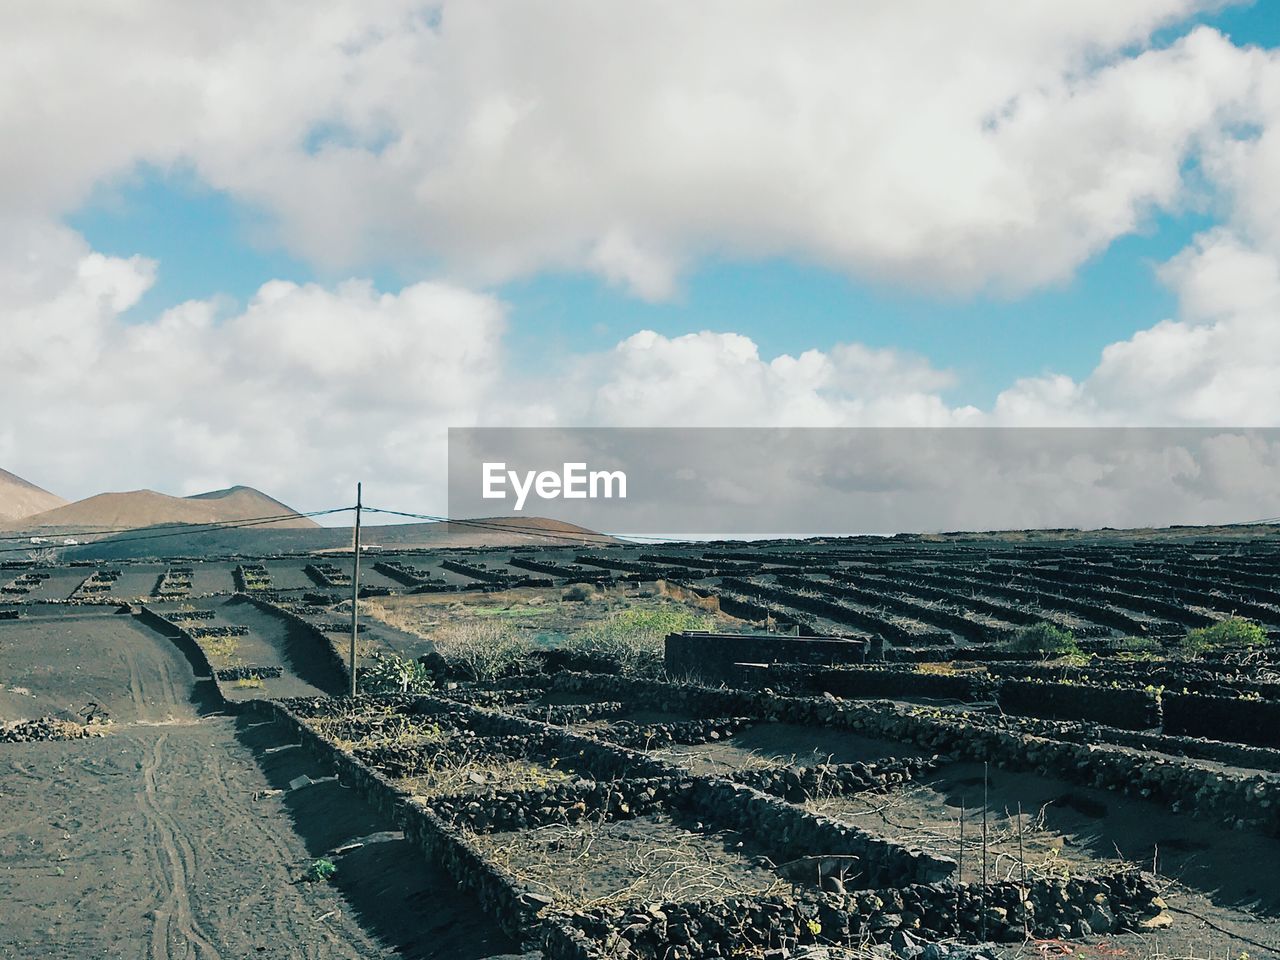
[710, 657]
[1233, 754]
[880, 683]
[412, 761]
[183, 616]
[1184, 677]
[187, 642]
[557, 714]
[651, 736]
[569, 803]
[1238, 799]
[1128, 708]
[790, 833]
[1008, 912]
[496, 891]
[248, 673]
[1255, 722]
[217, 630]
[513, 701]
[797, 784]
[1245, 720]
[555, 660]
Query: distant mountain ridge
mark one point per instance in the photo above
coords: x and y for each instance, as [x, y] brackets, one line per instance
[147, 508]
[21, 498]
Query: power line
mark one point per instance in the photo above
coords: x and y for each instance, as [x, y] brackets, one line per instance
[161, 526]
[1252, 523]
[175, 529]
[492, 525]
[189, 530]
[586, 535]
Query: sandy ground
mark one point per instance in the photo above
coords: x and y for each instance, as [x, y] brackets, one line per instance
[783, 743]
[1223, 885]
[653, 857]
[176, 835]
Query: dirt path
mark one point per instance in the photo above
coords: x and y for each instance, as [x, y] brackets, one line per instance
[177, 836]
[150, 843]
[174, 927]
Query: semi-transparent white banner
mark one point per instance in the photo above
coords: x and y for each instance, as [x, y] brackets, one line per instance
[797, 482]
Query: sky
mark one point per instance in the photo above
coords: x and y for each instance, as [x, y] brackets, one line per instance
[290, 246]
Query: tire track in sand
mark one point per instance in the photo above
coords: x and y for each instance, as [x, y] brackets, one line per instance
[274, 870]
[175, 929]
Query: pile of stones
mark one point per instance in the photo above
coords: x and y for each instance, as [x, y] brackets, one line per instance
[798, 784]
[186, 616]
[249, 673]
[218, 630]
[47, 729]
[649, 736]
[569, 802]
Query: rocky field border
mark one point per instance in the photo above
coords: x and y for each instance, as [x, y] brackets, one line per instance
[931, 906]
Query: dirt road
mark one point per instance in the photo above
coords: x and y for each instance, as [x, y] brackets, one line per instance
[177, 837]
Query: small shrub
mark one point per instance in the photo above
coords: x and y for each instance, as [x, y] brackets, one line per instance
[634, 638]
[389, 673]
[1233, 632]
[321, 871]
[483, 649]
[1044, 638]
[1138, 648]
[1137, 645]
[936, 669]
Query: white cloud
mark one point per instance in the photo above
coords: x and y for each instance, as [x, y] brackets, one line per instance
[1213, 365]
[928, 142]
[719, 379]
[302, 392]
[307, 388]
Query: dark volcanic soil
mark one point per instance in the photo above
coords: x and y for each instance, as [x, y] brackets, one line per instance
[1222, 885]
[176, 835]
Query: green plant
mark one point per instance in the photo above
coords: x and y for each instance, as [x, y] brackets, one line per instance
[321, 871]
[1044, 638]
[482, 649]
[220, 649]
[634, 638]
[1232, 632]
[390, 673]
[936, 669]
[1137, 648]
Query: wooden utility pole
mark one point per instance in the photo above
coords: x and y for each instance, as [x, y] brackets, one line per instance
[986, 779]
[355, 591]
